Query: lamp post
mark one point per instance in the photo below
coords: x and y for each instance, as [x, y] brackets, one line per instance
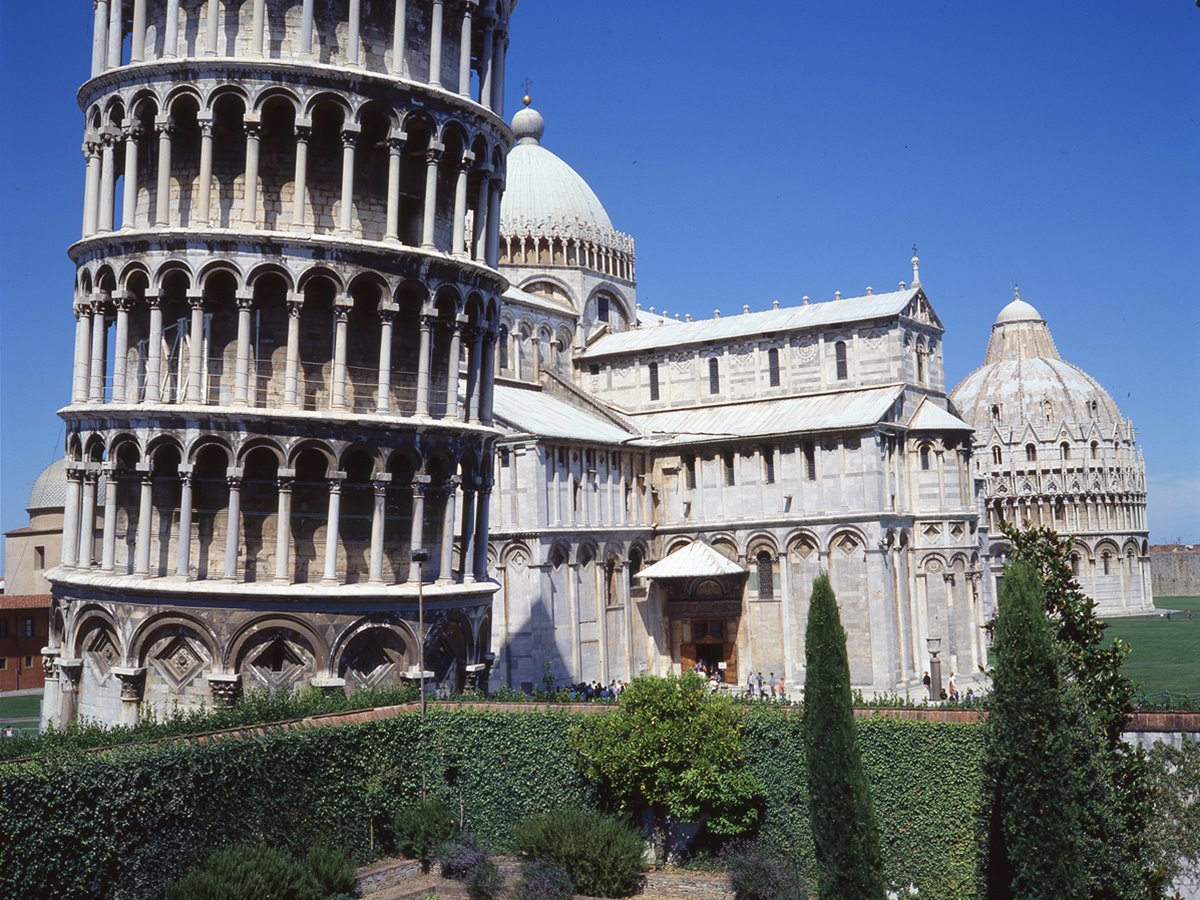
[935, 668]
[419, 556]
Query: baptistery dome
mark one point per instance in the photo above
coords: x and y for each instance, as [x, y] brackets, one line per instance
[1052, 449]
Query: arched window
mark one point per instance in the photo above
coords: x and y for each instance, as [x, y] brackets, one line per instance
[730, 468]
[766, 575]
[1048, 410]
[1075, 564]
[925, 457]
[768, 460]
[602, 308]
[1106, 559]
[503, 341]
[810, 461]
[839, 350]
[1065, 450]
[995, 412]
[920, 365]
[773, 366]
[714, 375]
[997, 455]
[653, 380]
[634, 565]
[1030, 453]
[1095, 449]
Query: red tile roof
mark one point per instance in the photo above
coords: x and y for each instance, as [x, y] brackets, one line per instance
[24, 601]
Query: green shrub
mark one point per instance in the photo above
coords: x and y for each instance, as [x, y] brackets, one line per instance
[543, 880]
[603, 856]
[247, 872]
[756, 873]
[484, 881]
[419, 829]
[464, 859]
[332, 868]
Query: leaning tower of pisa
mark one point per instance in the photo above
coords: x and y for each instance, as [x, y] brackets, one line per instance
[279, 433]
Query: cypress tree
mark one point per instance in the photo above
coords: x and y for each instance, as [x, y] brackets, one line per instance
[1032, 813]
[845, 839]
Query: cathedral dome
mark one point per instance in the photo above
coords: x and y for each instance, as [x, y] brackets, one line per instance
[542, 190]
[50, 488]
[1023, 379]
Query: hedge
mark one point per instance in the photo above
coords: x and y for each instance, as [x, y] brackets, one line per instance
[121, 822]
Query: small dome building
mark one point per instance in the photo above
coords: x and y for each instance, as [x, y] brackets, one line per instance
[1053, 449]
[572, 273]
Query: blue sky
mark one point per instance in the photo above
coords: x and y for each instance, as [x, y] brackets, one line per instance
[768, 150]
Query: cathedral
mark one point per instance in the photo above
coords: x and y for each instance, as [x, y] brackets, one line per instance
[362, 392]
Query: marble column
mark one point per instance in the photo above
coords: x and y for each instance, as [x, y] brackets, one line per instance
[429, 217]
[470, 410]
[137, 43]
[204, 188]
[154, 351]
[283, 528]
[108, 183]
[250, 198]
[121, 351]
[481, 218]
[486, 380]
[116, 32]
[83, 340]
[349, 138]
[258, 27]
[108, 542]
[195, 386]
[499, 50]
[71, 517]
[399, 27]
[306, 29]
[99, 350]
[458, 241]
[141, 551]
[495, 189]
[301, 178]
[242, 381]
[233, 519]
[331, 528]
[91, 189]
[435, 43]
[162, 199]
[183, 565]
[130, 189]
[291, 376]
[453, 364]
[485, 63]
[378, 513]
[466, 562]
[417, 534]
[171, 29]
[99, 35]
[383, 397]
[212, 38]
[464, 54]
[353, 25]
[341, 316]
[483, 510]
[395, 149]
[446, 564]
[423, 361]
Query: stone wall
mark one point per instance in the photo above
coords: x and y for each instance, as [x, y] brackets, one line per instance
[1175, 570]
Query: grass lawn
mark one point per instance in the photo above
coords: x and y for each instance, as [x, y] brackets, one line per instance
[1165, 654]
[26, 706]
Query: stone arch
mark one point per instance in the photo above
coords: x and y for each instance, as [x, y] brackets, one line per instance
[838, 536]
[375, 651]
[85, 619]
[149, 632]
[759, 541]
[269, 629]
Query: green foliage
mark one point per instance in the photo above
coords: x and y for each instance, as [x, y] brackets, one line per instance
[543, 880]
[757, 873]
[1117, 803]
[332, 868]
[1033, 792]
[248, 872]
[845, 840]
[254, 708]
[675, 749]
[418, 829]
[1175, 829]
[464, 859]
[603, 856]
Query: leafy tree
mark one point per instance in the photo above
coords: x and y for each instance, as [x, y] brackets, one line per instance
[673, 749]
[1032, 810]
[1124, 862]
[1175, 828]
[845, 839]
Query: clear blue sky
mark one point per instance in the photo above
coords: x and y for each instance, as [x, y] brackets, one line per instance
[773, 149]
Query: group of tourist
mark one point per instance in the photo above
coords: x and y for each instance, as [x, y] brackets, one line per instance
[596, 691]
[769, 688]
[950, 692]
